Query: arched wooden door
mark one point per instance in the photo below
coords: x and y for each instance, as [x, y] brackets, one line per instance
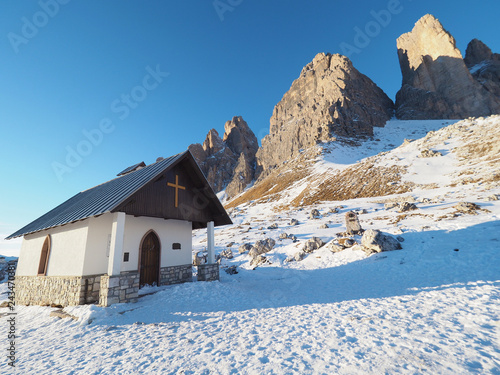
[150, 260]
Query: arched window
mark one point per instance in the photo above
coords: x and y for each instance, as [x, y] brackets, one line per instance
[44, 257]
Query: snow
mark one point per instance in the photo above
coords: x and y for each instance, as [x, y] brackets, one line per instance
[384, 139]
[479, 66]
[432, 307]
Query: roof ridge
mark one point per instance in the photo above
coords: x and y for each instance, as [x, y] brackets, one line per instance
[99, 199]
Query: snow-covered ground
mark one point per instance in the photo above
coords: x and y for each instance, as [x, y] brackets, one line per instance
[432, 307]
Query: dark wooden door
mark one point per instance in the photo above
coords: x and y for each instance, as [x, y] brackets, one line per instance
[150, 260]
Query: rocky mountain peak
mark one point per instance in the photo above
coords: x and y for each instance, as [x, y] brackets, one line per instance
[477, 52]
[436, 81]
[228, 162]
[428, 41]
[213, 142]
[330, 98]
[239, 137]
[484, 65]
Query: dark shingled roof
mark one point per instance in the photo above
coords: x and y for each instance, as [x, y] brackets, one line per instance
[99, 199]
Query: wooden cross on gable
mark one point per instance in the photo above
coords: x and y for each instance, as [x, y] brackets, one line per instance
[176, 186]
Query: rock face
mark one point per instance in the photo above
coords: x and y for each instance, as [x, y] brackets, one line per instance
[478, 52]
[330, 98]
[436, 81]
[484, 65]
[228, 162]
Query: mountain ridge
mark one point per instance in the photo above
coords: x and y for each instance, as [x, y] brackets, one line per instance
[331, 101]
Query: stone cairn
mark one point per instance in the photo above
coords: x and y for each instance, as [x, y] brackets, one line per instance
[352, 223]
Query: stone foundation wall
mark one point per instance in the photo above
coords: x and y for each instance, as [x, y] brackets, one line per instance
[57, 290]
[119, 289]
[208, 272]
[176, 274]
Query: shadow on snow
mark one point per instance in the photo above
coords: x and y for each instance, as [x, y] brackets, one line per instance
[429, 260]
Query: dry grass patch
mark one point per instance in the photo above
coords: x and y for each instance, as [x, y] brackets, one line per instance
[271, 187]
[382, 218]
[362, 180]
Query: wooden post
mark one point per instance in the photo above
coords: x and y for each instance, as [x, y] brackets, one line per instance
[210, 243]
[116, 247]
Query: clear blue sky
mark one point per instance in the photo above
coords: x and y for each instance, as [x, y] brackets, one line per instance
[72, 66]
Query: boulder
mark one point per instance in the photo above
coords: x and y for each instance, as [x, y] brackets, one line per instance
[429, 153]
[467, 208]
[228, 254]
[258, 260]
[406, 206]
[232, 270]
[377, 241]
[273, 226]
[283, 236]
[313, 244]
[293, 222]
[314, 214]
[346, 242]
[323, 226]
[334, 248]
[244, 248]
[261, 247]
[299, 255]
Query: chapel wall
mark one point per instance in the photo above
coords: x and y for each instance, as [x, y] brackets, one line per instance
[168, 231]
[67, 250]
[97, 248]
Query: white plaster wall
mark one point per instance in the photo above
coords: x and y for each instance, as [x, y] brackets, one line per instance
[169, 231]
[29, 256]
[96, 254]
[66, 253]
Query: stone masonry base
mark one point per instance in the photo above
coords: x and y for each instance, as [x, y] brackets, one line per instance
[176, 274]
[208, 272]
[119, 289]
[57, 290]
[104, 289]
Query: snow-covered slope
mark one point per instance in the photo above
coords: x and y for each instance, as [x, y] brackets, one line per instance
[351, 169]
[432, 307]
